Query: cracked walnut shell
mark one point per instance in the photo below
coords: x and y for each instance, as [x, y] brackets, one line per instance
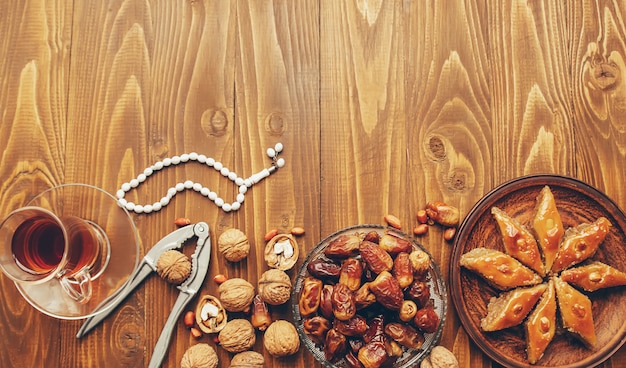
[199, 356]
[282, 252]
[237, 336]
[236, 294]
[234, 245]
[281, 339]
[274, 287]
[211, 316]
[173, 266]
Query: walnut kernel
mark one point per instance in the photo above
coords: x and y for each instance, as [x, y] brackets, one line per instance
[282, 252]
[247, 359]
[236, 294]
[210, 314]
[237, 336]
[281, 339]
[173, 266]
[199, 356]
[234, 245]
[274, 287]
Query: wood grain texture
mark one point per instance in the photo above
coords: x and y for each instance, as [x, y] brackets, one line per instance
[33, 103]
[382, 106]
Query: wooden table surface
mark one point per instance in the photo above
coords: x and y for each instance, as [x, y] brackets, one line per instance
[382, 106]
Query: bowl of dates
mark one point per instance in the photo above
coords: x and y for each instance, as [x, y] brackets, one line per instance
[369, 296]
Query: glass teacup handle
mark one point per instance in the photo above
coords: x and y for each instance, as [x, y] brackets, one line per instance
[77, 285]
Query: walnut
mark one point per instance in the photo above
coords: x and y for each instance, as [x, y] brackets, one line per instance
[210, 314]
[247, 359]
[237, 336]
[234, 245]
[274, 287]
[173, 266]
[236, 294]
[281, 339]
[199, 356]
[282, 252]
[440, 357]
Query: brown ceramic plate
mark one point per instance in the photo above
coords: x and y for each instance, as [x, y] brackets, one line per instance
[577, 202]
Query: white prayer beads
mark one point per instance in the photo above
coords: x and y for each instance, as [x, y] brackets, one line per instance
[242, 183]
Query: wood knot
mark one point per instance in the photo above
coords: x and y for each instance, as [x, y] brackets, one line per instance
[437, 148]
[605, 75]
[214, 122]
[275, 123]
[457, 181]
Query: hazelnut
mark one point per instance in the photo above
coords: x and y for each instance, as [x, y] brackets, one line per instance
[210, 314]
[247, 359]
[281, 339]
[274, 287]
[282, 252]
[173, 266]
[199, 356]
[234, 245]
[236, 294]
[237, 336]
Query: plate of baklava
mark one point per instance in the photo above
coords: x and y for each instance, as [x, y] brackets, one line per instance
[538, 273]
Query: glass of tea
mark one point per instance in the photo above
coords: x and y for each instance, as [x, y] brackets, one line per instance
[40, 245]
[69, 250]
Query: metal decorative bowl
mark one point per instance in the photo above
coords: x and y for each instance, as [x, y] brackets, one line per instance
[433, 278]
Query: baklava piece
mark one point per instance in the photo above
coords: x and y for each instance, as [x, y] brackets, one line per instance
[510, 308]
[541, 325]
[594, 276]
[499, 269]
[519, 243]
[575, 311]
[580, 243]
[548, 226]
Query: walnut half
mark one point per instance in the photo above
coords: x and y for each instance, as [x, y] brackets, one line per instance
[282, 252]
[211, 316]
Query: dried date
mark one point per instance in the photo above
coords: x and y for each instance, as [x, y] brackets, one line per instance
[376, 258]
[443, 214]
[372, 236]
[376, 329]
[326, 305]
[387, 290]
[310, 296]
[419, 292]
[355, 326]
[343, 302]
[335, 345]
[324, 270]
[316, 328]
[402, 270]
[364, 296]
[343, 246]
[394, 245]
[427, 320]
[404, 335]
[353, 361]
[351, 272]
[373, 354]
